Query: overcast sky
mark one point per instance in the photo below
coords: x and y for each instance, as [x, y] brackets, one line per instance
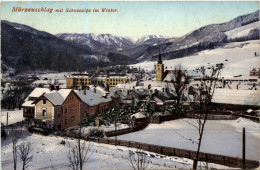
[132, 19]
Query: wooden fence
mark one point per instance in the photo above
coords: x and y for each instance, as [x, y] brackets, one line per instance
[207, 157]
[143, 123]
[139, 125]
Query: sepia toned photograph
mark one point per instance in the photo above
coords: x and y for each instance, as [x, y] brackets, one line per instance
[91, 85]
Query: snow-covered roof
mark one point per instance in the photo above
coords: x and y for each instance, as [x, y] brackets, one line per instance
[57, 97]
[240, 97]
[128, 85]
[37, 92]
[54, 98]
[153, 83]
[28, 104]
[170, 76]
[158, 101]
[138, 115]
[64, 93]
[94, 98]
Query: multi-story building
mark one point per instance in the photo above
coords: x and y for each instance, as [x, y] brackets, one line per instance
[49, 109]
[77, 81]
[64, 108]
[114, 80]
[28, 106]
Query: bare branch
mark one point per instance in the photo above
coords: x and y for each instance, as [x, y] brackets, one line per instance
[193, 141]
[24, 151]
[138, 160]
[190, 124]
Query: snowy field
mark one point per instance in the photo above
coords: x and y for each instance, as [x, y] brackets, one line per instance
[222, 137]
[52, 77]
[238, 59]
[13, 116]
[49, 154]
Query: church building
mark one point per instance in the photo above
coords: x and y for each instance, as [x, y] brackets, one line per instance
[159, 69]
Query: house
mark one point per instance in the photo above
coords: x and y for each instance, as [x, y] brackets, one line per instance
[64, 108]
[28, 106]
[59, 109]
[48, 108]
[96, 100]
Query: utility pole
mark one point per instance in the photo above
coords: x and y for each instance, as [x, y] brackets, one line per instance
[244, 150]
[7, 119]
[115, 130]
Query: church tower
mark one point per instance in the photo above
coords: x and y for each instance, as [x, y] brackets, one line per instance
[159, 69]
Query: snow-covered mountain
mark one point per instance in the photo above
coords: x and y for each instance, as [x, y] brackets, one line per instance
[148, 38]
[207, 37]
[250, 30]
[102, 43]
[238, 59]
[24, 48]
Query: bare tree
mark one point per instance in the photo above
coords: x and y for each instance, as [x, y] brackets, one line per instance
[78, 154]
[177, 81]
[15, 137]
[24, 151]
[202, 104]
[139, 160]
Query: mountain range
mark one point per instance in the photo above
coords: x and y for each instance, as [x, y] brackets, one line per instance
[25, 48]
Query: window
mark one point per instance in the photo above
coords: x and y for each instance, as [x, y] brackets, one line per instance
[65, 121]
[72, 118]
[58, 115]
[43, 112]
[72, 108]
[66, 110]
[44, 101]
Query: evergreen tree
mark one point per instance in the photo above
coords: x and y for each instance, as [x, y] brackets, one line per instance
[148, 107]
[175, 109]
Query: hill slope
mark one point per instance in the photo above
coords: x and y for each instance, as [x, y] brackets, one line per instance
[26, 48]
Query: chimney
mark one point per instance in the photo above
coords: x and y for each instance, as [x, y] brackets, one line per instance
[95, 90]
[84, 92]
[223, 84]
[57, 87]
[51, 87]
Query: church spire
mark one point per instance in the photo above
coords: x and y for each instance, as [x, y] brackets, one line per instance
[160, 56]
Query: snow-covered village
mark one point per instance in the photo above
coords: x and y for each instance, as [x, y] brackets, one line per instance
[101, 100]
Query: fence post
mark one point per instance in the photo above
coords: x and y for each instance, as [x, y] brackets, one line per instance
[244, 150]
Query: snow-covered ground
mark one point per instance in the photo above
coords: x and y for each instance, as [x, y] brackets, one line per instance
[222, 137]
[242, 31]
[52, 77]
[238, 59]
[49, 154]
[13, 116]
